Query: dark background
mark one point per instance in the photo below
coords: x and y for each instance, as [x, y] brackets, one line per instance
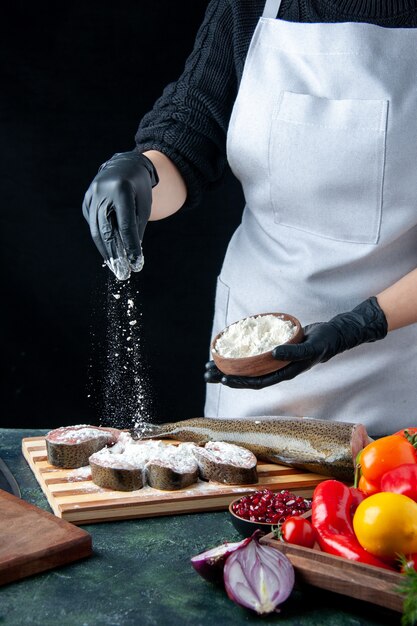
[76, 79]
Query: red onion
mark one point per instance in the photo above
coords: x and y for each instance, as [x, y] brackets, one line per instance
[209, 564]
[258, 577]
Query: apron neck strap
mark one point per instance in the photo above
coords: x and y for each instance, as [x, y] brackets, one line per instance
[271, 8]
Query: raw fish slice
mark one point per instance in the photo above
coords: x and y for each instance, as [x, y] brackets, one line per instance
[226, 463]
[71, 446]
[120, 477]
[175, 468]
[122, 467]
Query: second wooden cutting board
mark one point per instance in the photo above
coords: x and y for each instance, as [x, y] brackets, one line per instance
[32, 540]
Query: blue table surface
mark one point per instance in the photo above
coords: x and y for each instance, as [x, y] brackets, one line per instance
[140, 574]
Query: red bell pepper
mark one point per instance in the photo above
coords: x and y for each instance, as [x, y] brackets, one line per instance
[332, 519]
[357, 496]
[402, 479]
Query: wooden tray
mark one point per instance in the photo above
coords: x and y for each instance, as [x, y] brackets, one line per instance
[356, 580]
[74, 497]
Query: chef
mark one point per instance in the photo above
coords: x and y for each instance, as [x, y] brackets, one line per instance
[313, 104]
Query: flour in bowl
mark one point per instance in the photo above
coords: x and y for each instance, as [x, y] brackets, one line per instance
[254, 335]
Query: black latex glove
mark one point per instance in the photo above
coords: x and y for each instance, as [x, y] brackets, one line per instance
[117, 206]
[322, 341]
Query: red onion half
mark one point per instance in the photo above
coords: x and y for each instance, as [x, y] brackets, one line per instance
[209, 564]
[258, 577]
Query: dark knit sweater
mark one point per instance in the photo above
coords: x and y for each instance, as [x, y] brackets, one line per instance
[189, 121]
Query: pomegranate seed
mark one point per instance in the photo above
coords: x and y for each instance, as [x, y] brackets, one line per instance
[267, 506]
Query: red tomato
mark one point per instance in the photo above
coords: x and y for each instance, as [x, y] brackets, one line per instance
[299, 531]
[411, 431]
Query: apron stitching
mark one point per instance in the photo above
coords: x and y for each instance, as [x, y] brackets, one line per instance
[325, 54]
[381, 167]
[276, 109]
[218, 399]
[226, 290]
[384, 117]
[321, 236]
[350, 129]
[316, 54]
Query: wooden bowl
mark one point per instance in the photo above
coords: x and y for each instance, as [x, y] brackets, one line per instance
[259, 364]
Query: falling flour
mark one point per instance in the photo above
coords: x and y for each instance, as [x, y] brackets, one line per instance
[121, 388]
[254, 335]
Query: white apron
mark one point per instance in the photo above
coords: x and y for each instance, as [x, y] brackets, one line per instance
[323, 137]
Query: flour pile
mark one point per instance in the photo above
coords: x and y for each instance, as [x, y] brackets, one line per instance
[254, 335]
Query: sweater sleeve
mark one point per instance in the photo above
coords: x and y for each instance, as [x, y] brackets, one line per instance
[188, 123]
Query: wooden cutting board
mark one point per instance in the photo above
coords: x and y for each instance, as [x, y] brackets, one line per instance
[73, 496]
[33, 540]
[356, 580]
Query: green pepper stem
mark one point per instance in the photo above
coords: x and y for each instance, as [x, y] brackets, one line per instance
[358, 472]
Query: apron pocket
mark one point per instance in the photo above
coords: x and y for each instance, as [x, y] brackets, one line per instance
[326, 166]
